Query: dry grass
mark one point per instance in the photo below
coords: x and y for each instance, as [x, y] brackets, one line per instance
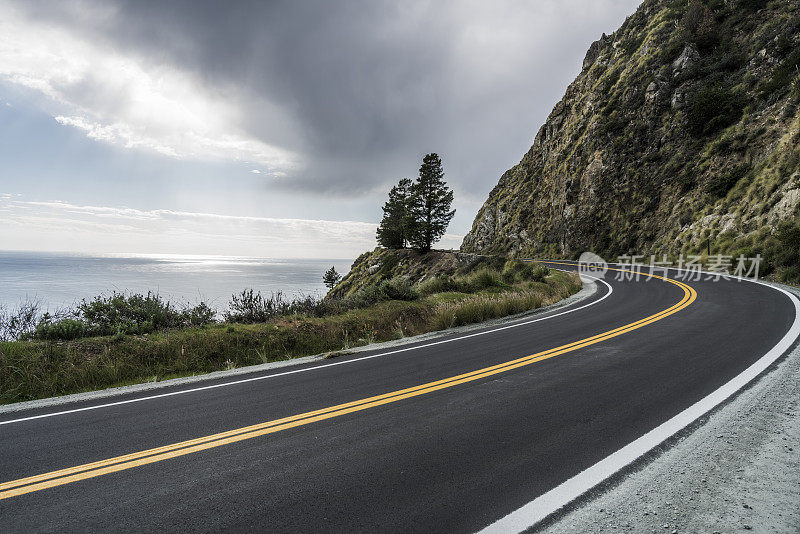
[39, 369]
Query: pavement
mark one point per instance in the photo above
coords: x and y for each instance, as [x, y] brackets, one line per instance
[737, 470]
[454, 434]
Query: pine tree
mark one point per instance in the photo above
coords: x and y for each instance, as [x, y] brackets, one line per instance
[331, 278]
[429, 212]
[393, 230]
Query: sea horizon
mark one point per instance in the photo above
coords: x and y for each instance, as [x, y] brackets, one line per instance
[58, 280]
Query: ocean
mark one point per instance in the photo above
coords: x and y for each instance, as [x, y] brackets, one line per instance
[58, 280]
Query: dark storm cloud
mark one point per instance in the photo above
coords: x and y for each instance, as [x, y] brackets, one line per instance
[361, 90]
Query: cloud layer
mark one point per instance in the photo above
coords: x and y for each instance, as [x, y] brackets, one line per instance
[57, 225]
[332, 97]
[121, 97]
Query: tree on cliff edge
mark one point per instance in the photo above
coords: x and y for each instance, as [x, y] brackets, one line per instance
[429, 209]
[331, 278]
[393, 230]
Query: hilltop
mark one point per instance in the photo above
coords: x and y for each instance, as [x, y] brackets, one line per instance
[379, 265]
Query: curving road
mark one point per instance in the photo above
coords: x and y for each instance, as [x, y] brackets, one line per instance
[452, 435]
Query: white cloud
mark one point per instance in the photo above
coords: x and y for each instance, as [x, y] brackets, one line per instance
[58, 225]
[272, 174]
[119, 98]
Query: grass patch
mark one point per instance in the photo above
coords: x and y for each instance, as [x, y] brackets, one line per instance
[39, 368]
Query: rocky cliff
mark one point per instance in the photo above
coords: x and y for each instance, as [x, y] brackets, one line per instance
[681, 127]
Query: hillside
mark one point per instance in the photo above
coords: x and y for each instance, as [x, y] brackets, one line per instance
[376, 266]
[681, 127]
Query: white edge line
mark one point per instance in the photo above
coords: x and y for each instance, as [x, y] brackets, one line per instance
[306, 369]
[563, 494]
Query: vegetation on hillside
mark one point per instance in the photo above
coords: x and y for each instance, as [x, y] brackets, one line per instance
[381, 264]
[146, 339]
[116, 314]
[682, 128]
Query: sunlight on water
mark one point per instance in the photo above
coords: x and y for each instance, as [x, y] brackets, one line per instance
[58, 280]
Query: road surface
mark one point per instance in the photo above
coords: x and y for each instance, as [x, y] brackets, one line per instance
[451, 435]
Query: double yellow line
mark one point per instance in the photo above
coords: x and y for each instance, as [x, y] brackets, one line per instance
[22, 486]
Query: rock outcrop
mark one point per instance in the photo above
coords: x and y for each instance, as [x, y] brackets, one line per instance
[672, 133]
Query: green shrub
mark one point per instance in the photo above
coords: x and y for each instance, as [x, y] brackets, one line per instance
[729, 62]
[781, 46]
[513, 265]
[514, 270]
[614, 123]
[20, 322]
[780, 251]
[132, 314]
[698, 25]
[366, 296]
[439, 284]
[398, 289]
[122, 315]
[713, 109]
[753, 5]
[199, 315]
[730, 141]
[102, 316]
[629, 46]
[64, 329]
[533, 272]
[483, 279]
[611, 79]
[37, 369]
[671, 51]
[388, 263]
[719, 185]
[394, 289]
[251, 307]
[789, 235]
[790, 274]
[539, 273]
[508, 277]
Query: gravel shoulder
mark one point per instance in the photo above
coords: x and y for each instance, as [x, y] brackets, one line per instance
[737, 470]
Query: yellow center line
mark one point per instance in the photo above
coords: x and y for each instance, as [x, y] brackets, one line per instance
[119, 463]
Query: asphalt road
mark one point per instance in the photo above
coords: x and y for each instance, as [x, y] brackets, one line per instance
[450, 456]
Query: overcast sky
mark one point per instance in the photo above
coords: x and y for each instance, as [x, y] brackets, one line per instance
[266, 128]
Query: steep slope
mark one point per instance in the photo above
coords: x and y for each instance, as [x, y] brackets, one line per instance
[681, 127]
[379, 265]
